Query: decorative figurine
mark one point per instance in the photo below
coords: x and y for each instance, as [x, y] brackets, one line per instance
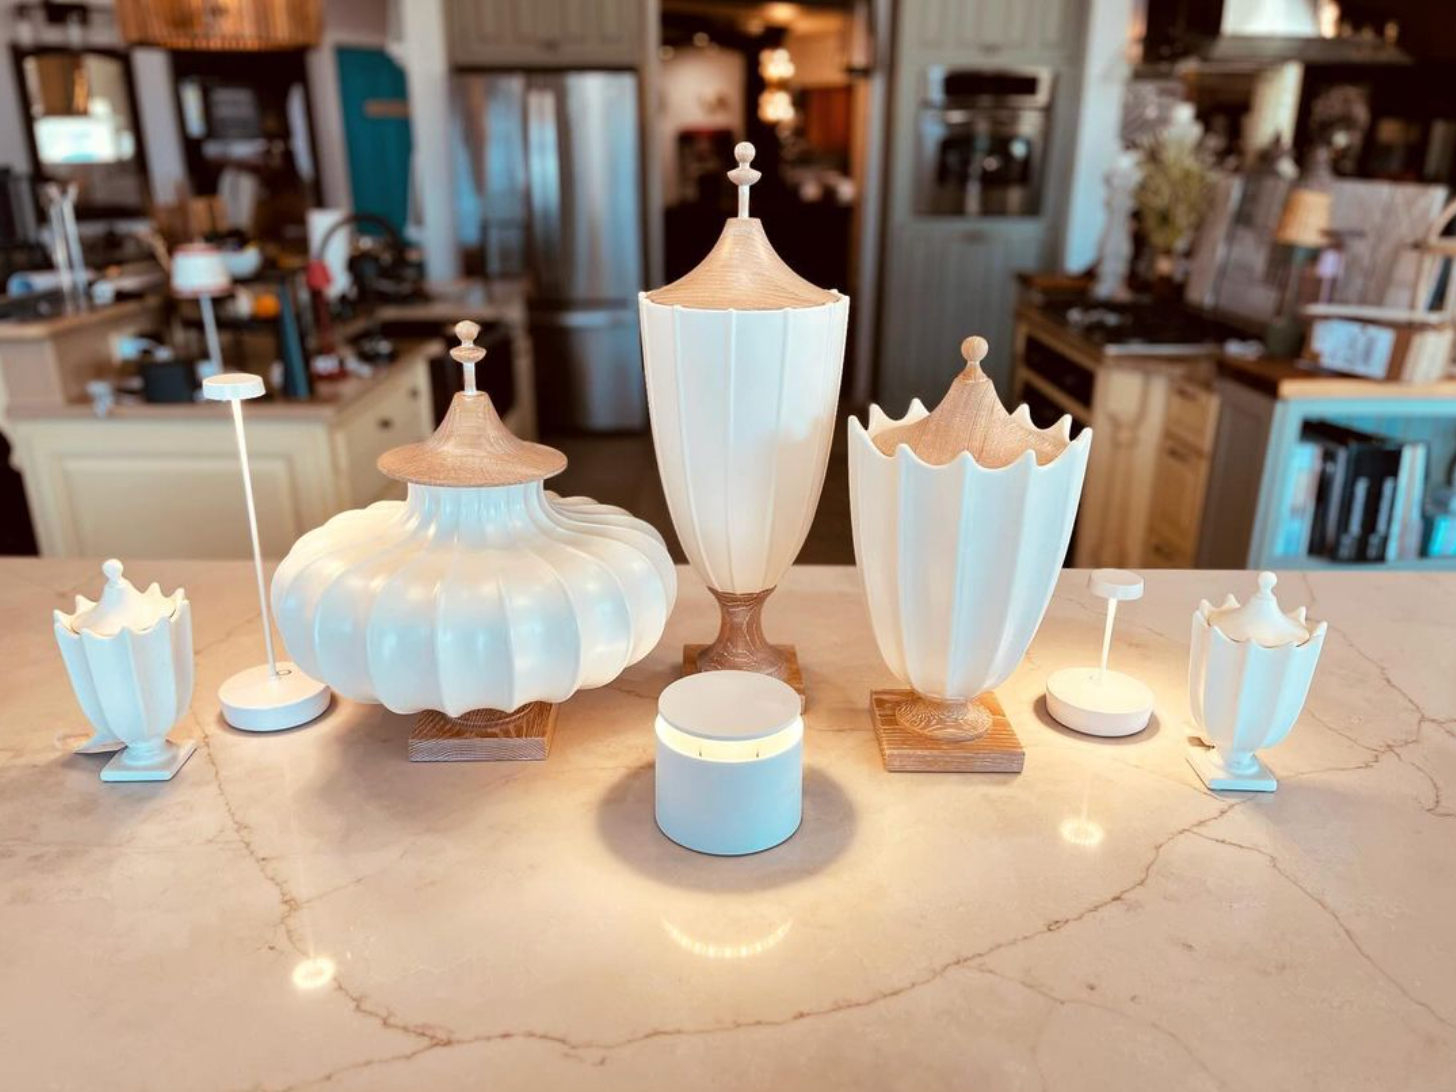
[271, 696]
[1093, 700]
[129, 656]
[962, 518]
[1249, 671]
[480, 601]
[1115, 257]
[743, 360]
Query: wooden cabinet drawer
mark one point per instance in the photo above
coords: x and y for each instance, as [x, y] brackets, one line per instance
[1177, 505]
[1192, 415]
[1165, 555]
[394, 419]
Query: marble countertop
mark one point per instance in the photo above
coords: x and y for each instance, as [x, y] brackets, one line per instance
[310, 910]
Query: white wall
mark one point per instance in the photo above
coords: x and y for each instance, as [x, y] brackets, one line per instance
[697, 89]
[1105, 73]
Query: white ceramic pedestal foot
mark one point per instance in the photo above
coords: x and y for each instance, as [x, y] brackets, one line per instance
[256, 700]
[158, 760]
[1250, 776]
[1097, 702]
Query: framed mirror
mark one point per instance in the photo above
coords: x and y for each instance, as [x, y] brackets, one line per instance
[84, 127]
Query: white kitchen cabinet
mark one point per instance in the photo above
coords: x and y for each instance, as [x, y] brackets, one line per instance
[163, 481]
[974, 31]
[947, 280]
[546, 33]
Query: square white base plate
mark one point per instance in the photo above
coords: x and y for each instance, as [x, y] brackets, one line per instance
[163, 768]
[1220, 780]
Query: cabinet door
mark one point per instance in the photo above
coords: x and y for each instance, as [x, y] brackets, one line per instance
[545, 33]
[980, 30]
[945, 283]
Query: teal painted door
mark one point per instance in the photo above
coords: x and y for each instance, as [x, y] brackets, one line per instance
[375, 102]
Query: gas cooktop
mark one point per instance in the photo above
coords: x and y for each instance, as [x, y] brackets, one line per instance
[1145, 327]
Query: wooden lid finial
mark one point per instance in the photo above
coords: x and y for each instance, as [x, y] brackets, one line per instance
[742, 272]
[971, 418]
[743, 175]
[472, 446]
[467, 353]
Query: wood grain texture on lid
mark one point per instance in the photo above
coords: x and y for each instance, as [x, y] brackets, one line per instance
[742, 272]
[472, 446]
[971, 418]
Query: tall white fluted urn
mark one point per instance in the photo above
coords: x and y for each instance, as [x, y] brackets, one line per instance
[962, 517]
[482, 600]
[1249, 671]
[743, 360]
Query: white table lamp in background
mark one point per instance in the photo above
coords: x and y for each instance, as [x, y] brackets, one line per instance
[1094, 700]
[199, 273]
[271, 696]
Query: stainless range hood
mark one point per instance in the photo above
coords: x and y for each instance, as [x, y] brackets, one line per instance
[1253, 34]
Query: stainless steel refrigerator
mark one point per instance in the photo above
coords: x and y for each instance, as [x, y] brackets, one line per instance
[549, 184]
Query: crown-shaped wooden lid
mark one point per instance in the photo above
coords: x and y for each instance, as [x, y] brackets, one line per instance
[742, 272]
[971, 418]
[472, 446]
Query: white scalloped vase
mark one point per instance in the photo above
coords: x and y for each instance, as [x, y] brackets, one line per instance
[958, 562]
[459, 599]
[1245, 697]
[743, 406]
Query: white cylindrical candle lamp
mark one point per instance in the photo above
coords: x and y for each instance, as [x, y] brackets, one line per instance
[275, 695]
[730, 762]
[1095, 700]
[199, 273]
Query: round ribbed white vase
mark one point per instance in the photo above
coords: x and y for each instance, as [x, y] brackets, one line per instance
[460, 599]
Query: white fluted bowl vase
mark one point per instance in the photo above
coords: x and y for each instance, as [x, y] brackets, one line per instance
[958, 564]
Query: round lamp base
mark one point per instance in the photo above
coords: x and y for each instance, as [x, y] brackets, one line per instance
[256, 700]
[1096, 704]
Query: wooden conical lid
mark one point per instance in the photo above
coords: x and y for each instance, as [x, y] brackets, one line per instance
[472, 446]
[742, 272]
[971, 418]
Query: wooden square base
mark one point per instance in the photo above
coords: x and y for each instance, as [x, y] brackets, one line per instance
[906, 750]
[794, 678]
[484, 736]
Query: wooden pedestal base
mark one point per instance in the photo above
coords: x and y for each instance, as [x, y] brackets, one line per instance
[741, 645]
[906, 749]
[791, 673]
[485, 735]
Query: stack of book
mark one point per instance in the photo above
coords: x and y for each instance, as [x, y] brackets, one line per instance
[1354, 497]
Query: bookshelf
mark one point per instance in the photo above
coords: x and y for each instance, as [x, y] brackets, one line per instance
[1261, 420]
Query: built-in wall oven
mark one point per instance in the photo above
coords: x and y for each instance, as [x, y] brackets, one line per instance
[982, 141]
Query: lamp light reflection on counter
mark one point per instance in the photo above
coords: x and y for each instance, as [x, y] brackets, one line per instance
[1081, 831]
[708, 950]
[314, 973]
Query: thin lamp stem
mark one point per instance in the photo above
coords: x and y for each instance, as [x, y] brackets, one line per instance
[1107, 640]
[253, 527]
[209, 327]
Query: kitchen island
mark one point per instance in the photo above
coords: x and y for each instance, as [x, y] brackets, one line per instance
[310, 910]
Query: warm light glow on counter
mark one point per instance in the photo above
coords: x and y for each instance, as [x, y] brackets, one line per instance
[314, 973]
[726, 951]
[1082, 832]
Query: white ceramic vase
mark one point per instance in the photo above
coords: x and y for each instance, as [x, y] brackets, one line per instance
[958, 564]
[129, 658]
[463, 599]
[743, 405]
[1245, 692]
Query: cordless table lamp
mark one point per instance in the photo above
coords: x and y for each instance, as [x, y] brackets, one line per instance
[271, 696]
[199, 273]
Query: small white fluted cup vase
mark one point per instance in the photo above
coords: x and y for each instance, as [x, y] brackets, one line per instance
[133, 683]
[1245, 696]
[743, 405]
[958, 564]
[467, 599]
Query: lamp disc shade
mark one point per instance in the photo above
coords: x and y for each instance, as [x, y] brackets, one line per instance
[232, 387]
[198, 270]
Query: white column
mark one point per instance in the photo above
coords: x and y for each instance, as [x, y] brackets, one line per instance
[423, 56]
[1099, 123]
